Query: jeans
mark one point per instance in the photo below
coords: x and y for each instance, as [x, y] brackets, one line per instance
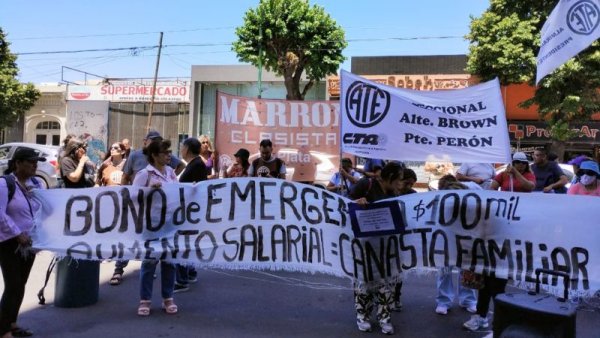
[15, 271]
[446, 291]
[120, 266]
[167, 279]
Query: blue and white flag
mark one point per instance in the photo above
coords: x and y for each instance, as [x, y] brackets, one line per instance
[570, 28]
[467, 125]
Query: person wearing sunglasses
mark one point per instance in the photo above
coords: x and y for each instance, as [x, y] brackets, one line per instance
[588, 174]
[111, 170]
[517, 177]
[77, 171]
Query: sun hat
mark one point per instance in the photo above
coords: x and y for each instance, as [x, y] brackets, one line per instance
[519, 156]
[590, 165]
[27, 154]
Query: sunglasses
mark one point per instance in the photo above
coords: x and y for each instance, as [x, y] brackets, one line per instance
[586, 172]
[115, 147]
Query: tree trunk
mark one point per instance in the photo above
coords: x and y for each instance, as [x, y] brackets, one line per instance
[558, 147]
[293, 89]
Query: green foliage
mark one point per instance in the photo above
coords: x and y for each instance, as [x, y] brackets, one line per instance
[504, 43]
[290, 37]
[15, 97]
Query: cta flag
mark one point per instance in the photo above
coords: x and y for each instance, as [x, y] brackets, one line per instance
[570, 28]
[379, 121]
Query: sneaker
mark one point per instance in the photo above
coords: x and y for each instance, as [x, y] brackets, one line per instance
[397, 306]
[471, 308]
[181, 288]
[441, 310]
[386, 328]
[476, 323]
[363, 325]
[192, 279]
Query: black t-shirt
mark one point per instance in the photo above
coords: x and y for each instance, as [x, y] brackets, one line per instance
[195, 171]
[370, 189]
[69, 165]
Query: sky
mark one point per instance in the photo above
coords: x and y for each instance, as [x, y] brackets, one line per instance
[206, 30]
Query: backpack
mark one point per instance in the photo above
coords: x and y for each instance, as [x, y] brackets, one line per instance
[12, 185]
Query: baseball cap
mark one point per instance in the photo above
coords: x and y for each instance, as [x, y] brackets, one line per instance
[152, 134]
[27, 154]
[578, 160]
[519, 156]
[242, 153]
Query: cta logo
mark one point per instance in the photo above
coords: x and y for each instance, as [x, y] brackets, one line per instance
[358, 138]
[583, 17]
[366, 105]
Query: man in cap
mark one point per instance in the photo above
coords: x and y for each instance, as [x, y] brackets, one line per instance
[136, 162]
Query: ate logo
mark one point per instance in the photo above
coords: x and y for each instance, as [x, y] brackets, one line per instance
[366, 105]
[583, 17]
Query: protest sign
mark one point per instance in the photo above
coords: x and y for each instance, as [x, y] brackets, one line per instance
[377, 122]
[280, 225]
[571, 27]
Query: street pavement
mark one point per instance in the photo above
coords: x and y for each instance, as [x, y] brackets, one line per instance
[245, 304]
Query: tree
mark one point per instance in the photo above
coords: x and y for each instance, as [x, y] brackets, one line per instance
[290, 37]
[504, 42]
[15, 97]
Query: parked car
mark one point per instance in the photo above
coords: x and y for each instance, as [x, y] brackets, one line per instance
[47, 172]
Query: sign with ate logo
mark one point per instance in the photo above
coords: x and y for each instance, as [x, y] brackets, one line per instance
[465, 125]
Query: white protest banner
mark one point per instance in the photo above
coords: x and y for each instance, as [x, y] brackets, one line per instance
[570, 28]
[280, 225]
[378, 122]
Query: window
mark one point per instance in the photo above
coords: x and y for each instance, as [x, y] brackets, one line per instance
[48, 125]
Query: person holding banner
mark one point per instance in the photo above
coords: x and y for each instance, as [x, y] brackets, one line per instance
[479, 173]
[154, 175]
[344, 180]
[369, 190]
[517, 177]
[588, 174]
[267, 165]
[239, 168]
[16, 222]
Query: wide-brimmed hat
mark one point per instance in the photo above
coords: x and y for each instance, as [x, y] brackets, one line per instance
[27, 154]
[519, 156]
[590, 165]
[242, 153]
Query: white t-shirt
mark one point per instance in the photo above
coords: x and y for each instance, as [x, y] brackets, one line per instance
[484, 171]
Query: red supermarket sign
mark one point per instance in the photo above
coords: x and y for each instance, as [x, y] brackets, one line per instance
[177, 92]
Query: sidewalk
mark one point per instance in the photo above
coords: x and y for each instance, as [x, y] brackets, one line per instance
[244, 304]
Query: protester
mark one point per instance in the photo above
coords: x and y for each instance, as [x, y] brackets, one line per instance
[479, 173]
[75, 167]
[239, 168]
[517, 177]
[588, 174]
[209, 157]
[405, 188]
[549, 177]
[127, 146]
[446, 292]
[369, 190]
[344, 180]
[16, 222]
[576, 162]
[110, 172]
[194, 172]
[157, 172]
[137, 161]
[267, 165]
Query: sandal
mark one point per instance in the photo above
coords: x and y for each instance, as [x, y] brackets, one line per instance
[21, 332]
[116, 279]
[169, 306]
[144, 308]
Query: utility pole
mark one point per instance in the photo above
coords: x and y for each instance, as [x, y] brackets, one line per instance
[154, 83]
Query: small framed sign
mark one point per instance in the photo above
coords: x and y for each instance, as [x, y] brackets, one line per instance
[376, 219]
